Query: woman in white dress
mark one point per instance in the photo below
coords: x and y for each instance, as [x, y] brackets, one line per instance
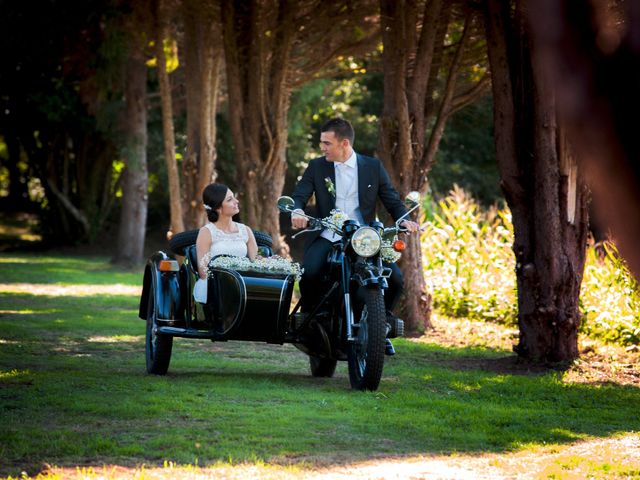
[221, 235]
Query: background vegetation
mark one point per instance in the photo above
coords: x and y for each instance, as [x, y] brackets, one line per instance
[470, 269]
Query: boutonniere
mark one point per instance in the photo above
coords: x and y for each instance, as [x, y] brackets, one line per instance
[330, 186]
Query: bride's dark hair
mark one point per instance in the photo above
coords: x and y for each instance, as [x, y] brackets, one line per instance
[212, 196]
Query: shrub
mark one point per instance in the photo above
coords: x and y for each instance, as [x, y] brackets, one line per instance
[470, 271]
[469, 265]
[610, 299]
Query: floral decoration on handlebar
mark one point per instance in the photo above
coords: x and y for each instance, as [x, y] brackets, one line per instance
[387, 252]
[337, 218]
[274, 265]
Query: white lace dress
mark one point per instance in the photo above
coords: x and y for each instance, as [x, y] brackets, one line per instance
[222, 243]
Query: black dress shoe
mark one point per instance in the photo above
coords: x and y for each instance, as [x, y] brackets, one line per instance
[388, 348]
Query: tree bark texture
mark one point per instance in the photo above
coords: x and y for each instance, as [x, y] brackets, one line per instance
[133, 217]
[271, 46]
[203, 60]
[591, 53]
[175, 205]
[412, 122]
[543, 187]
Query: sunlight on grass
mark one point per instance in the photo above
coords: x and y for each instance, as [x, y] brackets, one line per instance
[84, 290]
[116, 339]
[13, 374]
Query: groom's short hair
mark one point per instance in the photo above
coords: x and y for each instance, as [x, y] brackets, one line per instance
[341, 128]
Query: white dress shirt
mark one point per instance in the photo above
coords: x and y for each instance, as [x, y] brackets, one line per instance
[346, 192]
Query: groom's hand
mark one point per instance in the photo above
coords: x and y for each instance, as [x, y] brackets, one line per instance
[298, 221]
[410, 226]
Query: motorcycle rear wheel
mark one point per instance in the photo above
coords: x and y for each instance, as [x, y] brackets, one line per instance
[366, 352]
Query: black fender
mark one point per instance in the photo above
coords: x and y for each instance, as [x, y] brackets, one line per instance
[165, 286]
[367, 275]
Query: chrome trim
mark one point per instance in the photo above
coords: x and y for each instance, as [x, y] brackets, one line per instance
[240, 313]
[283, 289]
[349, 315]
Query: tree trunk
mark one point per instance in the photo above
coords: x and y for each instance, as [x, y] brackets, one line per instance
[413, 49]
[203, 58]
[133, 216]
[544, 191]
[175, 206]
[259, 94]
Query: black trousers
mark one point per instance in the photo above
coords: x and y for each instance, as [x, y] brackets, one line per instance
[312, 287]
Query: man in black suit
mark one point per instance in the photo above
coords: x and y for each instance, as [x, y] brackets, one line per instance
[352, 183]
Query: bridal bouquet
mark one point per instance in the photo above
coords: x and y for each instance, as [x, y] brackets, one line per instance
[271, 265]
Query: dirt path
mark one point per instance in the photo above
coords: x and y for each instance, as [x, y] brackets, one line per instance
[609, 458]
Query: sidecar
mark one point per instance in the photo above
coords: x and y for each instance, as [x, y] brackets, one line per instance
[241, 305]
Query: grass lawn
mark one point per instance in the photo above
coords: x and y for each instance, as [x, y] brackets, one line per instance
[74, 392]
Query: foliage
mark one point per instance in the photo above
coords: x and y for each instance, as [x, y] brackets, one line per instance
[470, 270]
[469, 265]
[466, 156]
[610, 298]
[74, 392]
[351, 95]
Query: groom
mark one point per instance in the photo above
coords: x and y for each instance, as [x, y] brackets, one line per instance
[352, 183]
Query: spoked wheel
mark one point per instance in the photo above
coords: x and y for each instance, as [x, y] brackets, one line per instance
[158, 347]
[322, 367]
[366, 352]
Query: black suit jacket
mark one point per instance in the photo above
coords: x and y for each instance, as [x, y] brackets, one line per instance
[373, 183]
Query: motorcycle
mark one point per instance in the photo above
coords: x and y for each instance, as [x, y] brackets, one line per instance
[251, 301]
[349, 322]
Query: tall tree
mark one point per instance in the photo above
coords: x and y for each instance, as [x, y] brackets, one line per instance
[203, 60]
[168, 133]
[429, 50]
[133, 147]
[543, 187]
[270, 47]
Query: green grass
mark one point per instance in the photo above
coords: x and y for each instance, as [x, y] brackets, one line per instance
[73, 391]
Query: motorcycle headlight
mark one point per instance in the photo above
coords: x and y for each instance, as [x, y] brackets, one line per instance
[366, 242]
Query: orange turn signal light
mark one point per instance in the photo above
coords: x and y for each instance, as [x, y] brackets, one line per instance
[399, 245]
[168, 266]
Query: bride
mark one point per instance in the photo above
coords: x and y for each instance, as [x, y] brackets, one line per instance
[221, 235]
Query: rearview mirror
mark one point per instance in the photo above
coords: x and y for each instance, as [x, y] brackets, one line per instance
[412, 199]
[285, 204]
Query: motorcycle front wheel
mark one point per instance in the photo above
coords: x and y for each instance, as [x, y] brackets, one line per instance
[366, 352]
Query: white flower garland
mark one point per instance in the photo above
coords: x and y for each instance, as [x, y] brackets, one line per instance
[272, 265]
[387, 253]
[337, 218]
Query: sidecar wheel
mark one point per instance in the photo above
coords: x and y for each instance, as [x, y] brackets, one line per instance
[158, 347]
[322, 367]
[366, 352]
[263, 239]
[182, 240]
